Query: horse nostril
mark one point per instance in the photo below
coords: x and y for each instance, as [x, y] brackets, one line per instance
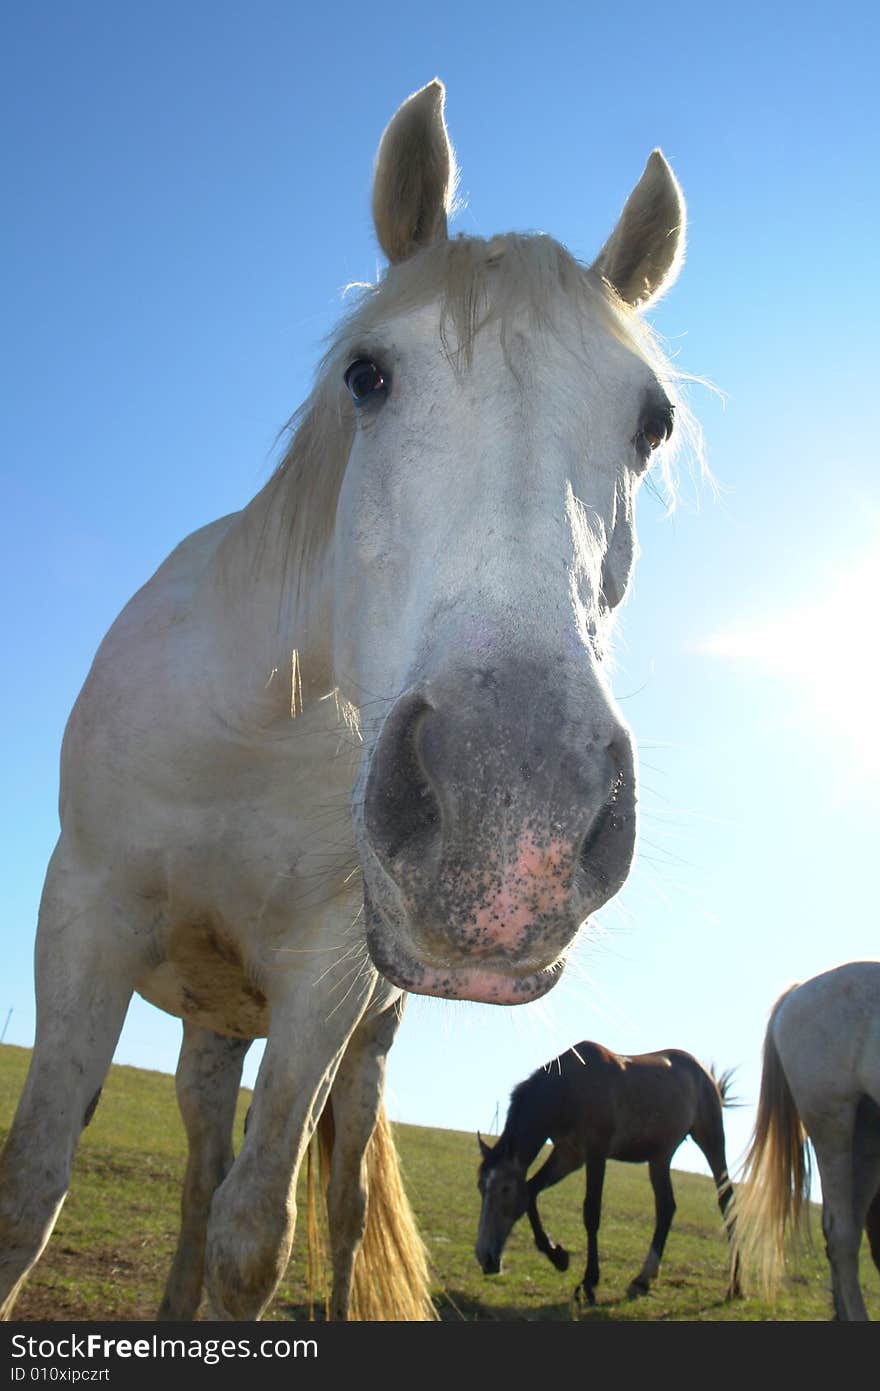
[613, 818]
[593, 840]
[401, 810]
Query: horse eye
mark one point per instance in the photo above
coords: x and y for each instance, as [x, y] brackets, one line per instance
[655, 432]
[364, 380]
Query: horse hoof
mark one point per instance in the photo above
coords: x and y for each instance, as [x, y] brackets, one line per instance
[636, 1290]
[581, 1293]
[560, 1258]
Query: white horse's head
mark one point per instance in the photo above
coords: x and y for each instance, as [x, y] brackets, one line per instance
[501, 403]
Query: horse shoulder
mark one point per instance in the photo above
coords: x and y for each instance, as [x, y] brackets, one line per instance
[176, 705]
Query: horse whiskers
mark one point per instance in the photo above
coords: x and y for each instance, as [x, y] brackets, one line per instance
[313, 898]
[306, 951]
[347, 953]
[361, 972]
[688, 813]
[668, 856]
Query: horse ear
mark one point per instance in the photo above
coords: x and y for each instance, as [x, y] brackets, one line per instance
[415, 175]
[644, 253]
[485, 1150]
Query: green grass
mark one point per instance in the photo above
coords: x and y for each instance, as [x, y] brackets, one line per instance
[116, 1234]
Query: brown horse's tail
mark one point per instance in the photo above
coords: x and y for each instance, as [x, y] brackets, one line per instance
[775, 1185]
[391, 1271]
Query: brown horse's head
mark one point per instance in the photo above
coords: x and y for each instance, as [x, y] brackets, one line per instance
[501, 1180]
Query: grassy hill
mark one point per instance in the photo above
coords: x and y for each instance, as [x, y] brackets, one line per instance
[114, 1240]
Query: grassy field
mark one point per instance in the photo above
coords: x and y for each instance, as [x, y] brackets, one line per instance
[114, 1240]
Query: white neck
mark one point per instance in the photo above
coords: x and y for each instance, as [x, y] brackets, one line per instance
[270, 630]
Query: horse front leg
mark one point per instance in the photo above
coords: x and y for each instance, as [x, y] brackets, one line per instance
[208, 1081]
[563, 1160]
[664, 1208]
[253, 1213]
[354, 1102]
[88, 954]
[592, 1217]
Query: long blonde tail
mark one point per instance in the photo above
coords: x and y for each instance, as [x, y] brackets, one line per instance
[391, 1272]
[775, 1186]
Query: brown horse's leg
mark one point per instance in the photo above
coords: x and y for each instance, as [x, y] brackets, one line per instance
[724, 1189]
[563, 1161]
[592, 1214]
[708, 1134]
[664, 1205]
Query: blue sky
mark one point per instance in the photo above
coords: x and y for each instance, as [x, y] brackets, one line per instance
[187, 192]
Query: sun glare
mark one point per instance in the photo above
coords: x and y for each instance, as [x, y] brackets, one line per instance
[828, 651]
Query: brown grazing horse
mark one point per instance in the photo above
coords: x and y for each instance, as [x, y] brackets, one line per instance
[595, 1105]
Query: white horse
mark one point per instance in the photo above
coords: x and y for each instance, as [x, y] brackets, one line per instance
[356, 740]
[820, 1083]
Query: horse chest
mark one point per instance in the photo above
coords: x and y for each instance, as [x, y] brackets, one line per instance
[236, 906]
